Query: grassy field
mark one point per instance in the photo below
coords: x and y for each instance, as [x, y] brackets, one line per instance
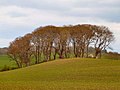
[66, 74]
[5, 61]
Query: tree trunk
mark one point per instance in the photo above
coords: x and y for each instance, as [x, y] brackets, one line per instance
[82, 54]
[96, 53]
[55, 54]
[87, 51]
[74, 47]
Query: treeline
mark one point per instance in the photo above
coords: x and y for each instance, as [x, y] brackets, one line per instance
[51, 42]
[3, 51]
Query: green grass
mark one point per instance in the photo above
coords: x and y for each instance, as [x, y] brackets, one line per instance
[66, 74]
[5, 61]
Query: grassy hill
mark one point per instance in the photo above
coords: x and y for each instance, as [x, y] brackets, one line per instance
[66, 74]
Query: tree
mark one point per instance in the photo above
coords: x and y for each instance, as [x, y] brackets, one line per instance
[20, 50]
[13, 52]
[102, 38]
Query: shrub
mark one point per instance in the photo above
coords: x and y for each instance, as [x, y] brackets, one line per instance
[112, 55]
[7, 68]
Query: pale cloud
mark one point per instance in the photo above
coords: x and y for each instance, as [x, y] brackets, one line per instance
[25, 15]
[5, 42]
[37, 17]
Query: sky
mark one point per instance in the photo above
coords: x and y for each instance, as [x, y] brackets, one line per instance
[19, 17]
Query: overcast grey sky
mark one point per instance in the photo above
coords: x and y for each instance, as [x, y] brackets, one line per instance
[18, 17]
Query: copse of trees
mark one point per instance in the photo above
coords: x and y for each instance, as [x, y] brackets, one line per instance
[51, 42]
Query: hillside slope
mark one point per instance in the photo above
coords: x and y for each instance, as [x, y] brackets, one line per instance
[66, 74]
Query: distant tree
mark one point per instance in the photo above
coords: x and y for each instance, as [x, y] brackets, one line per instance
[48, 36]
[102, 38]
[37, 43]
[20, 50]
[63, 42]
[43, 39]
[3, 51]
[73, 36]
[81, 38]
[13, 52]
[88, 37]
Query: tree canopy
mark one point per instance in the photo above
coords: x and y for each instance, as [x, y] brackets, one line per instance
[51, 42]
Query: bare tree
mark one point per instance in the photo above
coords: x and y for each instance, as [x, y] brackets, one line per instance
[20, 50]
[102, 38]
